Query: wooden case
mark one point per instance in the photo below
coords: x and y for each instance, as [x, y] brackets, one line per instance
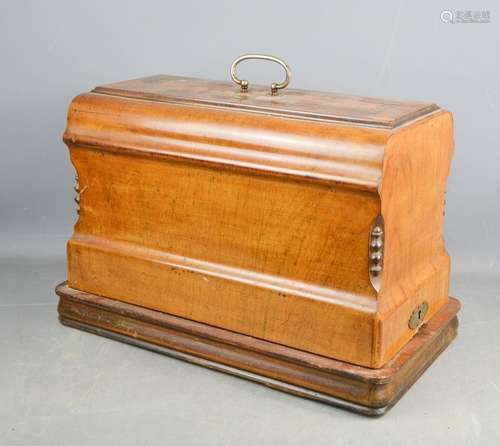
[308, 220]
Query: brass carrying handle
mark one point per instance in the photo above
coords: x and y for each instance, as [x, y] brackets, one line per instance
[274, 86]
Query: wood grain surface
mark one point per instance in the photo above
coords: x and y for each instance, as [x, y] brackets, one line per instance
[302, 104]
[360, 389]
[241, 214]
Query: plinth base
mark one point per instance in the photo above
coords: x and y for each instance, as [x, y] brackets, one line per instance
[359, 389]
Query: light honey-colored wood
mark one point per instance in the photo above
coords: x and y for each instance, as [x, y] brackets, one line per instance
[255, 217]
[417, 266]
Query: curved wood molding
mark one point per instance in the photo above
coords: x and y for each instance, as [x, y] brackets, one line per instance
[254, 213]
[304, 149]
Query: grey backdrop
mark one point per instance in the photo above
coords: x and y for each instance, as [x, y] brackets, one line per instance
[60, 384]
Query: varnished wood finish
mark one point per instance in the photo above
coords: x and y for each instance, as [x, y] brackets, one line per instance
[253, 213]
[267, 145]
[360, 389]
[311, 105]
[417, 266]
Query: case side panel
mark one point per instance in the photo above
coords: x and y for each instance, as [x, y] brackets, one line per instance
[272, 258]
[416, 264]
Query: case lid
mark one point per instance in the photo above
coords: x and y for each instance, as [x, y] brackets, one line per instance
[291, 103]
[308, 134]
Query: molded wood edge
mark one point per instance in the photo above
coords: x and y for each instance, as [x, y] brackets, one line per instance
[278, 366]
[292, 103]
[340, 154]
[279, 284]
[172, 281]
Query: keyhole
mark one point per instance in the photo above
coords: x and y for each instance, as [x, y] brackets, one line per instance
[417, 316]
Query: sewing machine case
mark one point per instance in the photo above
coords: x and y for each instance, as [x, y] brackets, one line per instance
[294, 239]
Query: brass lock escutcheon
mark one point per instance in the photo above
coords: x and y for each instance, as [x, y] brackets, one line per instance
[274, 86]
[418, 315]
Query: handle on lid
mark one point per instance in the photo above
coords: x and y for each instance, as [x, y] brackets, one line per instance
[274, 86]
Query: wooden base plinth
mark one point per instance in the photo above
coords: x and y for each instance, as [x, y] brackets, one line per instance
[359, 389]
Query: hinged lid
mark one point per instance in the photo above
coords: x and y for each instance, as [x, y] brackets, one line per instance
[292, 103]
[307, 134]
